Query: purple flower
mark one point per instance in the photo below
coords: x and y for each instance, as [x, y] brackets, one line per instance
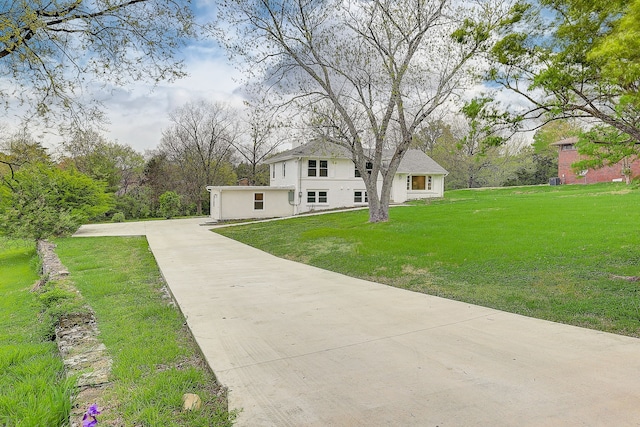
[93, 410]
[89, 418]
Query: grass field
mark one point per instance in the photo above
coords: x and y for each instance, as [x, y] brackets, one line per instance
[155, 360]
[33, 388]
[546, 252]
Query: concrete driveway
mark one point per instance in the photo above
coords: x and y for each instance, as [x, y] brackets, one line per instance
[300, 346]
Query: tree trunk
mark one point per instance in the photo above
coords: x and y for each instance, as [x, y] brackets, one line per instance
[379, 214]
[379, 206]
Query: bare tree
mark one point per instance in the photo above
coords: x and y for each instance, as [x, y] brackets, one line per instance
[199, 141]
[369, 72]
[259, 137]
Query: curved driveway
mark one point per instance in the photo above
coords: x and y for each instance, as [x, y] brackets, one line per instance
[300, 346]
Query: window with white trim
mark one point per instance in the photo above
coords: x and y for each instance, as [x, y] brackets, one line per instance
[360, 196]
[318, 168]
[273, 171]
[258, 201]
[284, 169]
[316, 196]
[419, 182]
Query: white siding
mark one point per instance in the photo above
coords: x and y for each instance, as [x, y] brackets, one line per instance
[239, 202]
[340, 184]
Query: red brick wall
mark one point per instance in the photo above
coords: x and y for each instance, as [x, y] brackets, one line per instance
[606, 174]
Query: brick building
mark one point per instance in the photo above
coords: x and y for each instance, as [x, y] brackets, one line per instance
[567, 155]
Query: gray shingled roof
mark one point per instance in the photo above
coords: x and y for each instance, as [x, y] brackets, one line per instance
[317, 148]
[414, 161]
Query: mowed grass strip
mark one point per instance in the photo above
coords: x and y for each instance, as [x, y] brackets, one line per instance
[155, 360]
[33, 387]
[546, 252]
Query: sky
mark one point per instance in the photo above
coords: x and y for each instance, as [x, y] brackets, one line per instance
[138, 113]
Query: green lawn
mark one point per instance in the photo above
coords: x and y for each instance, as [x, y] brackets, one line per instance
[546, 252]
[33, 388]
[155, 360]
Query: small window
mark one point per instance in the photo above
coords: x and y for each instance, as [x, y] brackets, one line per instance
[429, 182]
[284, 169]
[258, 201]
[312, 169]
[317, 196]
[273, 171]
[324, 168]
[360, 196]
[369, 167]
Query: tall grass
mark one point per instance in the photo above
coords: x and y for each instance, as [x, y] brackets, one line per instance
[155, 360]
[547, 252]
[33, 387]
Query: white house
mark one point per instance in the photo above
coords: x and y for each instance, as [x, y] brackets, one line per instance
[318, 176]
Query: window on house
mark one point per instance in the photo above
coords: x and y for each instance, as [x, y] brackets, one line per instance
[568, 147]
[273, 171]
[360, 196]
[258, 201]
[324, 168]
[315, 196]
[419, 182]
[369, 167]
[284, 169]
[318, 168]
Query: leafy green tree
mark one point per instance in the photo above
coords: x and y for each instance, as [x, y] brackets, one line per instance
[119, 166]
[534, 168]
[574, 58]
[160, 175]
[53, 50]
[18, 150]
[170, 204]
[606, 146]
[137, 203]
[43, 201]
[540, 161]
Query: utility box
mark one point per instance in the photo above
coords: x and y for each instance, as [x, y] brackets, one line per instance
[555, 181]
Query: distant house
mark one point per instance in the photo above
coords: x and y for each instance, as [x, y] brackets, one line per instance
[568, 155]
[320, 176]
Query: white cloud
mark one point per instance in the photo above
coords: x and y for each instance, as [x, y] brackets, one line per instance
[139, 114]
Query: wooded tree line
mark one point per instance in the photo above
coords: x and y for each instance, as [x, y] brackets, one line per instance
[204, 144]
